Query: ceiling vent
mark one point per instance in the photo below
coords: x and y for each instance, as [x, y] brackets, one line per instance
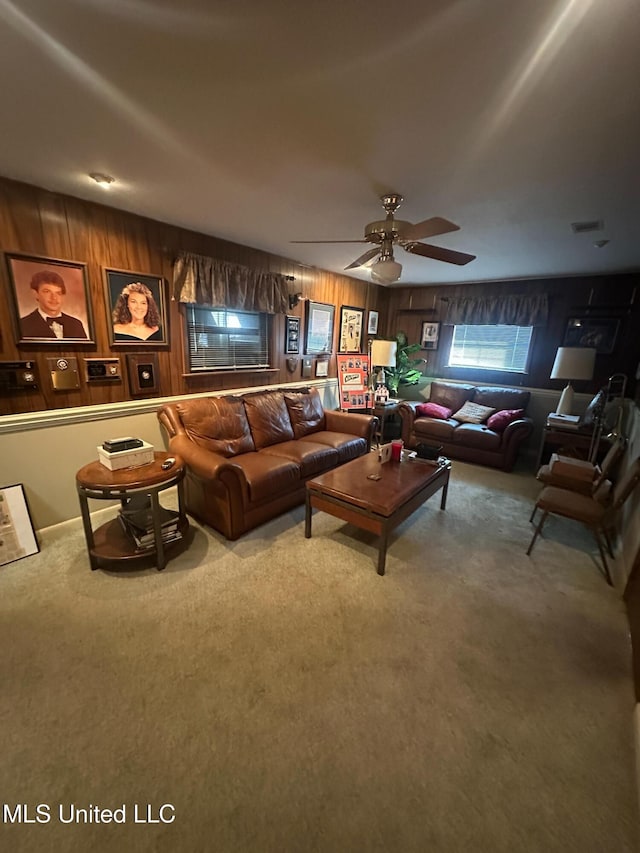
[585, 227]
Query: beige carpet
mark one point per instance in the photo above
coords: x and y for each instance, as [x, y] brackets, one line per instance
[283, 697]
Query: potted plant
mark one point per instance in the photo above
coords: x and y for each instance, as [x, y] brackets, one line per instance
[407, 370]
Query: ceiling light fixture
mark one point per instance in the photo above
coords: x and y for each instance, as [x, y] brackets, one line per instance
[102, 180]
[386, 271]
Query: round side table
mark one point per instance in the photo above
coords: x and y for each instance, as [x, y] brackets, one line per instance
[111, 544]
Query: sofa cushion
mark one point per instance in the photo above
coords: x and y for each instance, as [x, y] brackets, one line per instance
[478, 436]
[348, 446]
[433, 410]
[305, 411]
[473, 413]
[501, 398]
[429, 428]
[218, 424]
[268, 476]
[312, 457]
[501, 420]
[450, 395]
[268, 418]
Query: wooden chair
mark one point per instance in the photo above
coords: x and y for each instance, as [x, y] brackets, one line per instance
[599, 517]
[578, 475]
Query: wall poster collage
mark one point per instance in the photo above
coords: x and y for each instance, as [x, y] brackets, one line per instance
[353, 381]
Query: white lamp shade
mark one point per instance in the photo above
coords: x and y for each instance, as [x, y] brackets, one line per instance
[574, 363]
[386, 271]
[383, 353]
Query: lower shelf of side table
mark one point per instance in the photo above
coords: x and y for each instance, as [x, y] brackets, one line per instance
[112, 544]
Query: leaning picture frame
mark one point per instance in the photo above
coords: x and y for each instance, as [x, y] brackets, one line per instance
[429, 334]
[136, 308]
[319, 337]
[17, 535]
[351, 322]
[50, 300]
[597, 332]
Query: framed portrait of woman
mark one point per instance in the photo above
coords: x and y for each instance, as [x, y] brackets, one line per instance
[136, 308]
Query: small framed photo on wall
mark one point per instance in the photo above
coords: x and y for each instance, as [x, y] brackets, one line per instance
[50, 299]
[429, 335]
[372, 325]
[319, 329]
[136, 308]
[292, 335]
[351, 322]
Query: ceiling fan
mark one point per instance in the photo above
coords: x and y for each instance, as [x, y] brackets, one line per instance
[389, 232]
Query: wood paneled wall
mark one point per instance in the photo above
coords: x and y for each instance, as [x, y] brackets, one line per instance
[38, 222]
[616, 296]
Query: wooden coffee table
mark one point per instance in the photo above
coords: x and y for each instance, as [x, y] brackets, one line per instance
[379, 506]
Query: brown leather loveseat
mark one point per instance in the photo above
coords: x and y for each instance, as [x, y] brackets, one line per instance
[496, 422]
[248, 457]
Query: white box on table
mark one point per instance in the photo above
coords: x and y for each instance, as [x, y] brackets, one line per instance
[132, 458]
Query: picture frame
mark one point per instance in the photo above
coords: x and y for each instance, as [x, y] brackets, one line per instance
[322, 367]
[43, 287]
[292, 335]
[125, 289]
[351, 323]
[429, 335]
[17, 534]
[372, 323]
[319, 332]
[144, 376]
[597, 332]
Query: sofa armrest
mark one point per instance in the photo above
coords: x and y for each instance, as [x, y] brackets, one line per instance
[407, 412]
[353, 423]
[203, 463]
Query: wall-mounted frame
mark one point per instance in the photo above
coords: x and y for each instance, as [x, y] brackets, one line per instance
[429, 334]
[17, 536]
[322, 367]
[351, 322]
[102, 369]
[372, 324]
[291, 335]
[136, 308]
[143, 373]
[597, 332]
[50, 299]
[320, 318]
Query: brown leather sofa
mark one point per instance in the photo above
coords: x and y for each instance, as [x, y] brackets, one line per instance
[470, 442]
[248, 457]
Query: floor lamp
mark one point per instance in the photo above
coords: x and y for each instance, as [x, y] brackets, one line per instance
[572, 363]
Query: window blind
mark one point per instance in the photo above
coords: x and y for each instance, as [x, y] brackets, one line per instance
[221, 339]
[491, 347]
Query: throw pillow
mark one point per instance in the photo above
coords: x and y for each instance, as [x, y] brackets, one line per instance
[501, 420]
[433, 410]
[473, 413]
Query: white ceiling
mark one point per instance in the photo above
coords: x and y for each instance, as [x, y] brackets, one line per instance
[267, 121]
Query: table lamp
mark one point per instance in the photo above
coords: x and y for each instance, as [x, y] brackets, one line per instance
[572, 363]
[383, 354]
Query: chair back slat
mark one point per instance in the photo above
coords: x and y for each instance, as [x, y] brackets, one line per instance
[625, 486]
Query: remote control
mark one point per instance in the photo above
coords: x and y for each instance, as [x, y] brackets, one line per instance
[168, 463]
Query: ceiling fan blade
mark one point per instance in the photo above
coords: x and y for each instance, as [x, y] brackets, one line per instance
[429, 228]
[328, 241]
[364, 258]
[439, 254]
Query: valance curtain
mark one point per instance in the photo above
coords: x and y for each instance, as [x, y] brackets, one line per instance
[207, 281]
[510, 310]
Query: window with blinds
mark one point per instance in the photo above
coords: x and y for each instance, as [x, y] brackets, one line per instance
[220, 339]
[491, 347]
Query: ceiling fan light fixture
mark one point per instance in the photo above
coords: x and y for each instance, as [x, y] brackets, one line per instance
[386, 271]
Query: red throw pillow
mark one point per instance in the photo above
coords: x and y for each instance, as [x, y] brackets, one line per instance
[501, 420]
[433, 410]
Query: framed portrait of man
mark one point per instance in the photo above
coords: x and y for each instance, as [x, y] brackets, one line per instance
[50, 299]
[136, 308]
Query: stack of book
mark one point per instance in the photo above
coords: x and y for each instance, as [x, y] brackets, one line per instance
[137, 522]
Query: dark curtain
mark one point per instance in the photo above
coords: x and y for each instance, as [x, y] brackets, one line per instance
[207, 281]
[496, 311]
